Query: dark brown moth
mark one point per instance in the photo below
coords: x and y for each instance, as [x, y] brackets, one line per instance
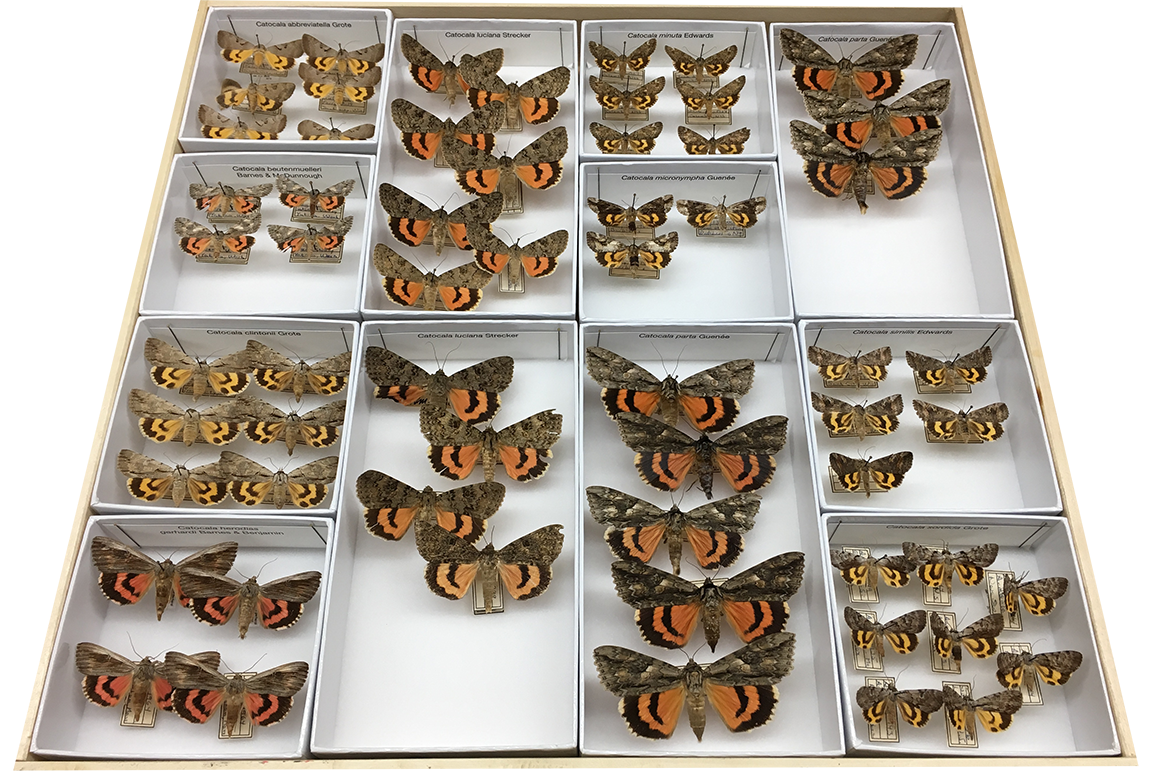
[993, 712]
[711, 100]
[640, 141]
[698, 67]
[163, 422]
[1050, 667]
[151, 480]
[473, 393]
[174, 369]
[914, 706]
[984, 423]
[885, 472]
[278, 604]
[877, 74]
[853, 123]
[851, 370]
[845, 418]
[948, 375]
[1038, 597]
[456, 447]
[608, 60]
[651, 214]
[276, 372]
[637, 100]
[459, 289]
[858, 570]
[392, 506]
[901, 633]
[652, 253]
[979, 638]
[935, 568]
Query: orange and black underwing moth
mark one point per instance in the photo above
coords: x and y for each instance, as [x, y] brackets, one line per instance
[223, 200]
[852, 123]
[422, 133]
[109, 678]
[432, 73]
[307, 243]
[609, 61]
[214, 598]
[151, 480]
[651, 214]
[877, 74]
[174, 369]
[280, 57]
[1050, 667]
[653, 253]
[276, 372]
[294, 195]
[251, 483]
[637, 100]
[539, 165]
[637, 142]
[459, 289]
[266, 98]
[456, 447]
[314, 131]
[392, 506]
[340, 86]
[994, 712]
[213, 124]
[718, 99]
[960, 371]
[740, 214]
[210, 243]
[411, 222]
[535, 100]
[728, 144]
[473, 393]
[325, 59]
[538, 257]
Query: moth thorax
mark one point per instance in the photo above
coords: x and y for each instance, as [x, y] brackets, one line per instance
[436, 393]
[426, 507]
[191, 427]
[489, 453]
[881, 123]
[710, 598]
[246, 612]
[844, 80]
[440, 230]
[705, 458]
[669, 400]
[694, 684]
[488, 575]
[291, 430]
[165, 587]
[279, 490]
[141, 693]
[180, 476]
[674, 537]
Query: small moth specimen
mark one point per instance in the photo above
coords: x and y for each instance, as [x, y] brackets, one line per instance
[266, 423]
[266, 98]
[718, 99]
[741, 214]
[979, 638]
[110, 677]
[325, 59]
[151, 480]
[314, 131]
[652, 214]
[638, 100]
[984, 423]
[411, 222]
[456, 447]
[432, 73]
[214, 598]
[651, 253]
[535, 100]
[277, 372]
[960, 371]
[263, 699]
[1038, 597]
[901, 633]
[609, 61]
[877, 74]
[844, 418]
[294, 195]
[538, 257]
[459, 289]
[473, 392]
[886, 472]
[728, 144]
[252, 483]
[935, 568]
[852, 123]
[914, 706]
[392, 506]
[163, 422]
[340, 86]
[1050, 667]
[174, 369]
[213, 124]
[280, 57]
[698, 67]
[224, 200]
[210, 243]
[637, 142]
[851, 370]
[868, 571]
[993, 712]
[306, 243]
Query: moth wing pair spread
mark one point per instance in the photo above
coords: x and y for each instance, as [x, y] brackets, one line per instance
[853, 123]
[252, 483]
[279, 57]
[265, 423]
[902, 633]
[969, 368]
[935, 568]
[986, 422]
[640, 141]
[538, 165]
[276, 372]
[837, 368]
[691, 65]
[639, 99]
[126, 573]
[535, 99]
[914, 706]
[979, 638]
[325, 58]
[876, 74]
[266, 697]
[841, 417]
[740, 686]
[460, 289]
[886, 472]
[653, 253]
[110, 677]
[391, 506]
[868, 571]
[314, 131]
[742, 214]
[1050, 667]
[994, 712]
[213, 124]
[422, 132]
[538, 257]
[1038, 597]
[411, 222]
[293, 195]
[651, 214]
[473, 393]
[728, 144]
[609, 60]
[277, 604]
[455, 447]
[151, 480]
[636, 527]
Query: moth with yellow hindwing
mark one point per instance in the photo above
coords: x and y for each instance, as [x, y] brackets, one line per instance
[163, 422]
[325, 59]
[698, 67]
[265, 423]
[653, 253]
[213, 124]
[984, 424]
[1049, 667]
[1038, 597]
[637, 100]
[741, 214]
[637, 142]
[151, 480]
[845, 419]
[979, 638]
[902, 633]
[610, 62]
[993, 712]
[728, 144]
[265, 98]
[914, 706]
[276, 372]
[718, 99]
[252, 483]
[280, 57]
[314, 131]
[174, 369]
[651, 214]
[935, 568]
[858, 371]
[954, 373]
[868, 571]
[869, 475]
[340, 86]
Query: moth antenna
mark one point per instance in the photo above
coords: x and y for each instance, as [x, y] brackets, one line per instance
[701, 51]
[251, 667]
[232, 26]
[133, 646]
[633, 196]
[205, 181]
[695, 651]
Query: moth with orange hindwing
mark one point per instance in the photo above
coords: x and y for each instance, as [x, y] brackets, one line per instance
[669, 607]
[455, 448]
[524, 566]
[740, 686]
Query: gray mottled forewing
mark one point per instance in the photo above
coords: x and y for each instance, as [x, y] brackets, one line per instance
[187, 672]
[377, 490]
[778, 578]
[931, 99]
[484, 209]
[736, 513]
[441, 427]
[551, 245]
[828, 404]
[550, 84]
[868, 696]
[160, 353]
[766, 660]
[112, 556]
[857, 621]
[397, 203]
[981, 556]
[896, 463]
[932, 414]
[912, 623]
[467, 275]
[828, 107]
[386, 368]
[812, 143]
[767, 434]
[889, 405]
[214, 559]
[539, 431]
[803, 51]
[436, 544]
[997, 411]
[896, 53]
[299, 587]
[319, 471]
[916, 149]
[730, 379]
[480, 500]
[549, 148]
[540, 547]
[643, 586]
[614, 507]
[614, 371]
[642, 433]
[236, 467]
[283, 680]
[493, 374]
[624, 672]
[137, 465]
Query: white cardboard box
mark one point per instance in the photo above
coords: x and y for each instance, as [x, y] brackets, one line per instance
[390, 639]
[354, 28]
[269, 284]
[68, 726]
[1013, 474]
[753, 110]
[937, 253]
[709, 279]
[807, 719]
[1075, 718]
[531, 47]
[212, 338]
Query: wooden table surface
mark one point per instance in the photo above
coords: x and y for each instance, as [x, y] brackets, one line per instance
[1055, 83]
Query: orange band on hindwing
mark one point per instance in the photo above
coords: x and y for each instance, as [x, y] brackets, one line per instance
[879, 85]
[405, 395]
[408, 230]
[746, 472]
[454, 461]
[264, 709]
[472, 406]
[757, 618]
[668, 626]
[461, 525]
[125, 588]
[540, 176]
[479, 181]
[524, 581]
[742, 707]
[711, 413]
[621, 400]
[538, 110]
[636, 543]
[523, 464]
[450, 580]
[813, 79]
[664, 470]
[653, 715]
[278, 614]
[214, 610]
[427, 78]
[714, 549]
[388, 523]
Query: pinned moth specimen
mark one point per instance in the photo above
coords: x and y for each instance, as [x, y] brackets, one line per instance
[539, 258]
[834, 170]
[422, 132]
[163, 422]
[109, 678]
[1049, 667]
[853, 123]
[979, 638]
[708, 399]
[637, 101]
[935, 568]
[637, 142]
[868, 571]
[127, 573]
[265, 423]
[636, 527]
[252, 483]
[535, 100]
[330, 199]
[265, 98]
[213, 124]
[665, 456]
[728, 144]
[214, 598]
[651, 214]
[151, 480]
[326, 59]
[539, 165]
[459, 289]
[280, 57]
[392, 506]
[174, 369]
[741, 214]
[914, 706]
[713, 65]
[524, 565]
[902, 633]
[620, 64]
[311, 243]
[411, 222]
[225, 201]
[456, 447]
[993, 712]
[877, 74]
[650, 253]
[313, 131]
[340, 86]
[262, 699]
[868, 475]
[740, 686]
[984, 423]
[718, 99]
[948, 375]
[668, 607]
[211, 244]
[845, 418]
[473, 393]
[432, 73]
[855, 371]
[1038, 597]
[277, 372]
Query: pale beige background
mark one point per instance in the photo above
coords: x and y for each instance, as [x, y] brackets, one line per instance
[1058, 83]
